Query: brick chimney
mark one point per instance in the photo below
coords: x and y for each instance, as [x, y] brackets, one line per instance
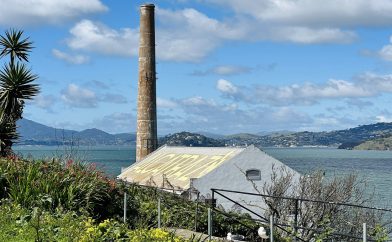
[146, 131]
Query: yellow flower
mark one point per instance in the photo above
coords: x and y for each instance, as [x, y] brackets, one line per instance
[104, 223]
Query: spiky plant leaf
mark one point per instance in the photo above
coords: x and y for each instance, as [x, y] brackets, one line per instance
[12, 44]
[16, 86]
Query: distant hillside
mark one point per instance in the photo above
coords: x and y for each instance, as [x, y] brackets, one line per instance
[33, 133]
[276, 133]
[375, 144]
[211, 135]
[190, 139]
[342, 138]
[372, 136]
[242, 136]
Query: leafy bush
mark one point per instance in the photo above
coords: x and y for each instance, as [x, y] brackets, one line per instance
[21, 224]
[71, 185]
[178, 212]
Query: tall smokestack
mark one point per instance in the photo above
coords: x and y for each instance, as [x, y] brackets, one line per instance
[146, 133]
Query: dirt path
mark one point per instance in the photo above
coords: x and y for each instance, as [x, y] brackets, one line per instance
[188, 234]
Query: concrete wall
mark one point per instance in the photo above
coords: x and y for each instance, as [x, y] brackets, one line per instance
[229, 176]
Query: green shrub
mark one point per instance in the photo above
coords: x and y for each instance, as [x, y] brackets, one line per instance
[178, 212]
[72, 185]
[21, 224]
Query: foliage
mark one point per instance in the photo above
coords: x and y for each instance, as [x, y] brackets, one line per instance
[189, 139]
[384, 143]
[50, 187]
[70, 185]
[179, 212]
[11, 44]
[21, 224]
[16, 86]
[322, 220]
[7, 134]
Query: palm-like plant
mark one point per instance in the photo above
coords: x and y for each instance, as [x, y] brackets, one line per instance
[12, 45]
[16, 85]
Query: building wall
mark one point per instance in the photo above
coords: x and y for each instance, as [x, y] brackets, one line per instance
[231, 176]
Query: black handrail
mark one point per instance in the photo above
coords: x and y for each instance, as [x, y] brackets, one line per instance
[305, 200]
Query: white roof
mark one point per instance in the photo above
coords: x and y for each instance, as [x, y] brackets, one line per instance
[174, 166]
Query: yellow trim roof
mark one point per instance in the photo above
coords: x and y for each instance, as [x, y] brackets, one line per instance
[174, 166]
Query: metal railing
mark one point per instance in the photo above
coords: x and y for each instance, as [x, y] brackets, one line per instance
[202, 212]
[294, 226]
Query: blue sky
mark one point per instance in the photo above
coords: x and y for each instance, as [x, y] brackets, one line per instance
[224, 66]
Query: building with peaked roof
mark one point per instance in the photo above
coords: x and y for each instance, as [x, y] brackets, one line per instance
[203, 168]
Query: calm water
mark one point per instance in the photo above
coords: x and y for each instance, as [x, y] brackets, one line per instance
[375, 166]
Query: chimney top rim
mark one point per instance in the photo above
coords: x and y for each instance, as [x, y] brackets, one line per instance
[147, 5]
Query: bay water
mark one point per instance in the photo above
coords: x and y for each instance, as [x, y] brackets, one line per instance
[374, 166]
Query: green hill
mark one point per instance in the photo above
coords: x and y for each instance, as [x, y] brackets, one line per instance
[190, 139]
[376, 144]
[33, 133]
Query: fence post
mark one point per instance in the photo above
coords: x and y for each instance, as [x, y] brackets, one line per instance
[295, 219]
[272, 228]
[125, 207]
[159, 213]
[364, 232]
[197, 211]
[209, 224]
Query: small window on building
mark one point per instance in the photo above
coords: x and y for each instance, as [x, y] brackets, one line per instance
[253, 175]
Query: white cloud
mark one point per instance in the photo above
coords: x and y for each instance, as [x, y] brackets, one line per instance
[96, 37]
[367, 85]
[115, 123]
[307, 35]
[83, 97]
[165, 103]
[209, 115]
[315, 13]
[112, 98]
[226, 87]
[73, 59]
[386, 51]
[383, 119]
[79, 97]
[224, 70]
[22, 12]
[188, 35]
[230, 70]
[44, 101]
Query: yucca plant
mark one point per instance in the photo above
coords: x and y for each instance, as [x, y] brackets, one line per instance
[13, 45]
[16, 83]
